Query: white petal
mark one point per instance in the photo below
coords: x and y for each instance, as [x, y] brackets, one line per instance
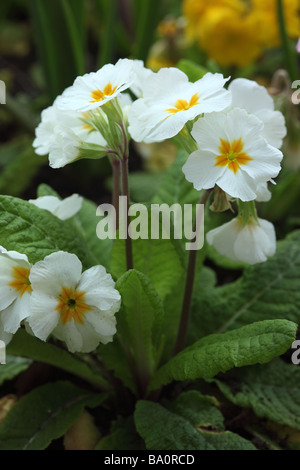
[99, 288]
[263, 193]
[8, 261]
[69, 206]
[254, 245]
[60, 269]
[238, 185]
[200, 169]
[43, 316]
[274, 129]
[50, 203]
[103, 323]
[18, 310]
[4, 336]
[70, 334]
[222, 238]
[78, 96]
[249, 95]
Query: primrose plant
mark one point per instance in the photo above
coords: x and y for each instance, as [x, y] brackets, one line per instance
[133, 308]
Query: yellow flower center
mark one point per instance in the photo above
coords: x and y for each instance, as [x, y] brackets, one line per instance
[183, 105]
[21, 280]
[232, 155]
[99, 95]
[71, 305]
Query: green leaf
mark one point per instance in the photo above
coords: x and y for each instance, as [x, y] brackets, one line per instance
[139, 324]
[160, 259]
[191, 69]
[123, 436]
[86, 222]
[37, 233]
[13, 367]
[201, 410]
[256, 343]
[205, 278]
[164, 429]
[272, 391]
[43, 415]
[31, 347]
[265, 291]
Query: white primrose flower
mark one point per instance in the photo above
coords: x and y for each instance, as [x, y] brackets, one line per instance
[232, 154]
[61, 134]
[97, 88]
[251, 244]
[255, 99]
[63, 209]
[77, 308]
[15, 291]
[169, 101]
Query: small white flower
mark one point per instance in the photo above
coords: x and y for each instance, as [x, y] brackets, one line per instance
[97, 88]
[61, 133]
[169, 101]
[255, 99]
[15, 290]
[232, 154]
[77, 308]
[251, 244]
[63, 209]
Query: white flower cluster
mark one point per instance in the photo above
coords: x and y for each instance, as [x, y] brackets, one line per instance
[54, 297]
[236, 131]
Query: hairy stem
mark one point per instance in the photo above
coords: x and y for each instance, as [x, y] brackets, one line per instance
[116, 187]
[188, 291]
[125, 192]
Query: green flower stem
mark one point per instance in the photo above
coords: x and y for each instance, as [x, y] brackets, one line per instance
[290, 63]
[116, 165]
[188, 291]
[125, 192]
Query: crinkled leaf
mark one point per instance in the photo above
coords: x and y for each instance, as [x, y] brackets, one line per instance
[139, 324]
[38, 233]
[272, 391]
[160, 260]
[168, 429]
[86, 222]
[256, 343]
[265, 291]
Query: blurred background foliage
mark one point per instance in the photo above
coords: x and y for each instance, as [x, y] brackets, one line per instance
[45, 45]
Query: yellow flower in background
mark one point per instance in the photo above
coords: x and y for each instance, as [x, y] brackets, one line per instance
[194, 10]
[236, 32]
[230, 37]
[269, 32]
